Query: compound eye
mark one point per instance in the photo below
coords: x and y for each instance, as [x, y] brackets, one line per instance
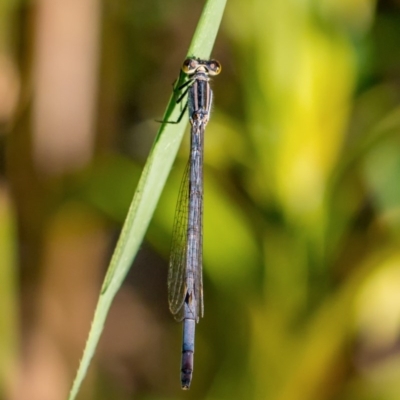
[214, 67]
[189, 66]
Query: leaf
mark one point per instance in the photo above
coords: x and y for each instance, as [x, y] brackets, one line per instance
[148, 192]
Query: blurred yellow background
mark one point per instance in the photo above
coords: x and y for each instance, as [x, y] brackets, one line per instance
[302, 199]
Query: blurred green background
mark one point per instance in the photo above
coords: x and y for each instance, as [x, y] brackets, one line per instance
[302, 199]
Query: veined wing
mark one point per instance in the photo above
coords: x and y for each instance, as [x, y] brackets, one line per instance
[177, 263]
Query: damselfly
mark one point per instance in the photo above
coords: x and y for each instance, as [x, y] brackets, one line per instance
[185, 275]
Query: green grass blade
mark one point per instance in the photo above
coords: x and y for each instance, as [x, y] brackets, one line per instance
[148, 192]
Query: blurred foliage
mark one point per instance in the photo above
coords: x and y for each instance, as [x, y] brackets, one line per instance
[302, 199]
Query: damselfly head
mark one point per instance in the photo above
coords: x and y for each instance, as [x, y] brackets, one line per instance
[192, 65]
